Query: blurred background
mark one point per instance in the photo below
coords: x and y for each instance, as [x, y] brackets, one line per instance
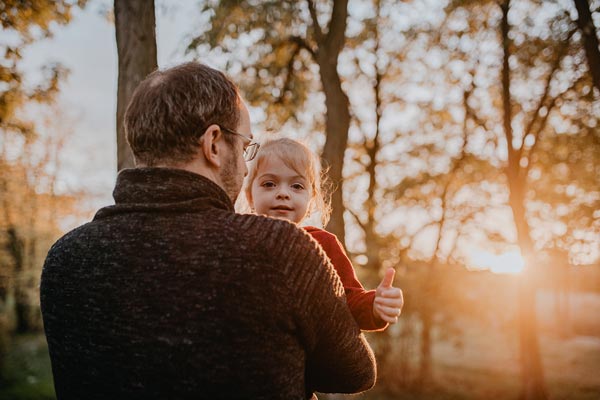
[462, 138]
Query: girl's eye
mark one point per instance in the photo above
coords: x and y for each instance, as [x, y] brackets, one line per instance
[268, 184]
[297, 186]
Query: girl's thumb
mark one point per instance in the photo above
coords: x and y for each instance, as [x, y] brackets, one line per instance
[388, 279]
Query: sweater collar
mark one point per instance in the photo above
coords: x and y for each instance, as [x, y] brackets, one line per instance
[165, 189]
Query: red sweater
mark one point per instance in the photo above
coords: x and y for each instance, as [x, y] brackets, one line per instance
[360, 301]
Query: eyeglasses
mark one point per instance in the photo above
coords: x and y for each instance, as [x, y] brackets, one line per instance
[250, 150]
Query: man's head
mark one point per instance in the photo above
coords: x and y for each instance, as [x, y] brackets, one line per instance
[182, 116]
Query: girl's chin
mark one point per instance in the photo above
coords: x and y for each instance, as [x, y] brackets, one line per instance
[282, 214]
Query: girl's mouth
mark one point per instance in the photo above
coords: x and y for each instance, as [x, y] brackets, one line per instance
[282, 208]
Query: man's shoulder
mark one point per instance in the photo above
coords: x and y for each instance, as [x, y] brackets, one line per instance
[72, 243]
[283, 245]
[270, 231]
[74, 235]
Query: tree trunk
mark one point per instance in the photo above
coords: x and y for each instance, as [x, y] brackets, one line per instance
[590, 40]
[16, 249]
[337, 118]
[561, 283]
[336, 126]
[372, 239]
[22, 311]
[430, 293]
[136, 47]
[425, 370]
[532, 374]
[533, 387]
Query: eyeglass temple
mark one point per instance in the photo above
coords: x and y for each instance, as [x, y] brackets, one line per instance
[251, 150]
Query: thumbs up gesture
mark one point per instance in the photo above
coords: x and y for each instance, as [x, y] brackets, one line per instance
[388, 299]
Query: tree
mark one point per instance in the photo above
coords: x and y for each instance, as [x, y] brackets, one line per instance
[136, 47]
[27, 21]
[21, 242]
[532, 378]
[585, 23]
[32, 212]
[382, 174]
[287, 39]
[539, 75]
[451, 215]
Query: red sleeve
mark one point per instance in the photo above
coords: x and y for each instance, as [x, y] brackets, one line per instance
[360, 301]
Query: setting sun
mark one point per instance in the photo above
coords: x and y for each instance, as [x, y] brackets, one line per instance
[509, 262]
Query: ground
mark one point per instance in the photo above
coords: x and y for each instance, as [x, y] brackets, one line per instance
[485, 366]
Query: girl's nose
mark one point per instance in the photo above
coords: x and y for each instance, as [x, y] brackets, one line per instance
[282, 194]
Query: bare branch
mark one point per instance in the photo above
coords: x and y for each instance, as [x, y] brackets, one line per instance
[303, 44]
[525, 171]
[475, 118]
[336, 33]
[472, 114]
[317, 27]
[357, 219]
[585, 22]
[534, 117]
[421, 229]
[542, 125]
[289, 75]
[513, 163]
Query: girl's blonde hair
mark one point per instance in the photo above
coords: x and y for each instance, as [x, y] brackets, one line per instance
[302, 160]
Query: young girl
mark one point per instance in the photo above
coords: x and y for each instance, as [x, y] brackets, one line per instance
[284, 182]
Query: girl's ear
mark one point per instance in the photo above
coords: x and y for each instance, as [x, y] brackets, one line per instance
[210, 145]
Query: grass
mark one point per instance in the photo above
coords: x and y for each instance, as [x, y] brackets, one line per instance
[27, 374]
[487, 368]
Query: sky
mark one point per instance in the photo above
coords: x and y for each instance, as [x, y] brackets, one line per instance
[87, 101]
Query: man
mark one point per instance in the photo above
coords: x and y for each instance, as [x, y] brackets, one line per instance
[169, 294]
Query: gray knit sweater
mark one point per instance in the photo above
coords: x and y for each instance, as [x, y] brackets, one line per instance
[169, 294]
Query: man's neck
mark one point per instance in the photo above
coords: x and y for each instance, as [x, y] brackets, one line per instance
[196, 166]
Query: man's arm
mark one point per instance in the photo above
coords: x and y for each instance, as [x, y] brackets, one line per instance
[338, 358]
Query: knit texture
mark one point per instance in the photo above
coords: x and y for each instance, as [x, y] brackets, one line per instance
[360, 301]
[169, 294]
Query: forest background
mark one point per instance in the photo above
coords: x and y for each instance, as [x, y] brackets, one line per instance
[462, 138]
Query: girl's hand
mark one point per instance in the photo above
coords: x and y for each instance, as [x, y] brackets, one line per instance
[388, 299]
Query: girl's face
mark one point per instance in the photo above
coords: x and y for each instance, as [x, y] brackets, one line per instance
[279, 191]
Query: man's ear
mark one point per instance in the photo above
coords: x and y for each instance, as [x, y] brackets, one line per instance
[210, 145]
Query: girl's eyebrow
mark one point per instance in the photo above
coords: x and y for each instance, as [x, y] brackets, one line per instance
[267, 175]
[274, 176]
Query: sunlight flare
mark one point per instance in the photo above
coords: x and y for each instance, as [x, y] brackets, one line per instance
[509, 262]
